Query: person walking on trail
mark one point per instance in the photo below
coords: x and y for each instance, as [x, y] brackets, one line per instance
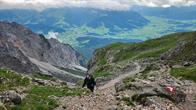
[89, 81]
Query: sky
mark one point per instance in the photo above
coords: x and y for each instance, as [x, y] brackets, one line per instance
[97, 4]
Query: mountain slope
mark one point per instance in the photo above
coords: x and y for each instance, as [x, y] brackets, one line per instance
[12, 58]
[19, 45]
[168, 47]
[165, 76]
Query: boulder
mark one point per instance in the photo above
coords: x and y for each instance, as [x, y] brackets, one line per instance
[11, 97]
[186, 63]
[40, 82]
[176, 96]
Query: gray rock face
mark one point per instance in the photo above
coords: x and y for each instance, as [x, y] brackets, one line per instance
[62, 55]
[12, 58]
[18, 44]
[29, 43]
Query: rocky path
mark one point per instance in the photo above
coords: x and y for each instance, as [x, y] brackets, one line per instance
[102, 99]
[118, 79]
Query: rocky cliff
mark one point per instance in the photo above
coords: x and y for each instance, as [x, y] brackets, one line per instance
[24, 51]
[62, 55]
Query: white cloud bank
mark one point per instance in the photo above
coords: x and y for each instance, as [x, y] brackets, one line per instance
[98, 4]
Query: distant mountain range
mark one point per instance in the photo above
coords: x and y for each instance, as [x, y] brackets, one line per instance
[79, 27]
[177, 13]
[59, 19]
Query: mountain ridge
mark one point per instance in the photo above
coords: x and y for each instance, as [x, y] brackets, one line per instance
[22, 45]
[169, 48]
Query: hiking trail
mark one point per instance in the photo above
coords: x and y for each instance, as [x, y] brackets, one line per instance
[102, 99]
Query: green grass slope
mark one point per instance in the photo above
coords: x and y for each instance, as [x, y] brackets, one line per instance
[184, 73]
[37, 97]
[122, 52]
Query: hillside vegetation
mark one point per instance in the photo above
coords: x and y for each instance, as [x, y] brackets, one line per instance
[37, 95]
[184, 72]
[174, 48]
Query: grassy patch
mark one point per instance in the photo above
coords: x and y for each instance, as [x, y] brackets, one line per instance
[150, 48]
[128, 101]
[188, 73]
[37, 97]
[101, 60]
[46, 91]
[105, 68]
[36, 102]
[12, 80]
[152, 53]
[101, 74]
[121, 52]
[41, 97]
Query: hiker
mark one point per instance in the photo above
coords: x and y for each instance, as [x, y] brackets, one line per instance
[90, 82]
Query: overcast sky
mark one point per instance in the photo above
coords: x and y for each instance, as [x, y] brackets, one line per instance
[98, 4]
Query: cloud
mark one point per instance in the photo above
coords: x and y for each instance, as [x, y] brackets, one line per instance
[98, 4]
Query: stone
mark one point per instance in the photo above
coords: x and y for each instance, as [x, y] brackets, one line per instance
[177, 96]
[2, 80]
[186, 63]
[112, 107]
[11, 97]
[39, 82]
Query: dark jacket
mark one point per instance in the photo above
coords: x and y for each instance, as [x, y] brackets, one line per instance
[90, 82]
